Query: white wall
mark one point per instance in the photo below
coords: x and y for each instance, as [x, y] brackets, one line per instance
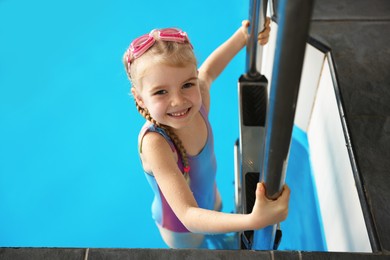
[342, 217]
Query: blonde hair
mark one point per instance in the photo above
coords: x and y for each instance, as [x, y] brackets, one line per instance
[168, 53]
[164, 52]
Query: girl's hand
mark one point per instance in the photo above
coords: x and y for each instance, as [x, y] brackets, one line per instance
[267, 212]
[244, 29]
[263, 36]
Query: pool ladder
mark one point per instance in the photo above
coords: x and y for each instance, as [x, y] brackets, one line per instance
[265, 126]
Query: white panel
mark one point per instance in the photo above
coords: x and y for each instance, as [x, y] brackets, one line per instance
[342, 217]
[268, 54]
[311, 71]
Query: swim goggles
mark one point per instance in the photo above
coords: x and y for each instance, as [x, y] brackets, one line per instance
[143, 43]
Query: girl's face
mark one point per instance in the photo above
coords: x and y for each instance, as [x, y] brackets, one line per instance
[170, 94]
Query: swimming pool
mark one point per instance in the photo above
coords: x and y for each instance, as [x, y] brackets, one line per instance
[303, 229]
[70, 175]
[69, 169]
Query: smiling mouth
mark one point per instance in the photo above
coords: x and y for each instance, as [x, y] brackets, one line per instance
[180, 113]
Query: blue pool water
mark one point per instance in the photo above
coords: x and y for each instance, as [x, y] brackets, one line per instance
[69, 170]
[303, 227]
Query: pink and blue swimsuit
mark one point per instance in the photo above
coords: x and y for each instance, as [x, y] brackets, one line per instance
[202, 178]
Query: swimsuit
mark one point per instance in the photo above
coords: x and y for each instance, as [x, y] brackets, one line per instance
[202, 178]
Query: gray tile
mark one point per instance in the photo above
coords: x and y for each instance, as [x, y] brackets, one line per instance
[172, 254]
[372, 149]
[41, 254]
[362, 60]
[336, 10]
[351, 10]
[281, 255]
[342, 256]
[179, 254]
[361, 54]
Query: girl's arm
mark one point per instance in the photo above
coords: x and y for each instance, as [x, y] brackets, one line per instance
[219, 59]
[157, 156]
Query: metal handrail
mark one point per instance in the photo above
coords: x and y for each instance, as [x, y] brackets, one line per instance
[293, 27]
[257, 16]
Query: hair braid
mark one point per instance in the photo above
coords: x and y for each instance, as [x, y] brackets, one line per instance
[176, 140]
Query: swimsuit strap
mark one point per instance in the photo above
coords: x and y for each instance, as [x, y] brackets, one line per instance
[155, 129]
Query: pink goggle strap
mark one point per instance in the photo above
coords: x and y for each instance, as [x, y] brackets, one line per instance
[172, 35]
[140, 45]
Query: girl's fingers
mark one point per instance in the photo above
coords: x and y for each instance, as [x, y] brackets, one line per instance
[245, 23]
[267, 21]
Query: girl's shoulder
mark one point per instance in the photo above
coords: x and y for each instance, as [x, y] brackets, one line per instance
[154, 143]
[150, 127]
[160, 134]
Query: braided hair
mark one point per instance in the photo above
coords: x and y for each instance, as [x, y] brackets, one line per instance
[176, 140]
[170, 53]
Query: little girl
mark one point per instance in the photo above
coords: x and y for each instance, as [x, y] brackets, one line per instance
[176, 143]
